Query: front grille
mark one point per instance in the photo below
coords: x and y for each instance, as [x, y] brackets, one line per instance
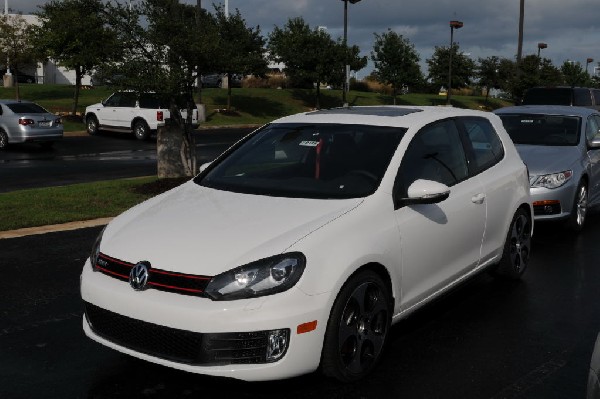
[186, 284]
[180, 346]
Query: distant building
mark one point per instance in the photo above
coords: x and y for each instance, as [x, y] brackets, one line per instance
[49, 72]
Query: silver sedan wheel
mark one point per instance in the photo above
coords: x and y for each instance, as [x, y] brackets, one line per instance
[579, 211]
[581, 205]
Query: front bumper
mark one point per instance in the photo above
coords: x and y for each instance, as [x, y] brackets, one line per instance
[553, 204]
[157, 312]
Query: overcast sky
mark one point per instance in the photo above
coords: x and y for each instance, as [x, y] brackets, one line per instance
[571, 28]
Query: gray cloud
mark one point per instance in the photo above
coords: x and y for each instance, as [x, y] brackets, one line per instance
[571, 29]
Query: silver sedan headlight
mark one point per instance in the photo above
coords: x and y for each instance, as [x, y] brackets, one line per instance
[553, 180]
[264, 277]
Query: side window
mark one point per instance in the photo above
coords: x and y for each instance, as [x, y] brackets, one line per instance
[127, 100]
[486, 145]
[435, 153]
[113, 101]
[593, 127]
[582, 97]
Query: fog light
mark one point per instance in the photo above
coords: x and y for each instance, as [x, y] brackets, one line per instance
[277, 344]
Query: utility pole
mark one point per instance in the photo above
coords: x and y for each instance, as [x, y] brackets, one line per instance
[520, 45]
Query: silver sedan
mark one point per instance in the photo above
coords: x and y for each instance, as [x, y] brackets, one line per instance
[26, 121]
[561, 147]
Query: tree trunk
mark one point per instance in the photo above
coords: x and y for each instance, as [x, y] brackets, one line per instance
[228, 92]
[318, 100]
[175, 147]
[78, 75]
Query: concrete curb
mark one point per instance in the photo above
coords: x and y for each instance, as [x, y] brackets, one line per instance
[28, 231]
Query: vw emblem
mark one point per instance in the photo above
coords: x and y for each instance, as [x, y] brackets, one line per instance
[138, 277]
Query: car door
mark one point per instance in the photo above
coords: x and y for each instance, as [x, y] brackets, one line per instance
[439, 242]
[592, 131]
[107, 113]
[124, 109]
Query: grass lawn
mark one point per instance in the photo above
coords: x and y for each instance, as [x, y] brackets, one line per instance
[54, 205]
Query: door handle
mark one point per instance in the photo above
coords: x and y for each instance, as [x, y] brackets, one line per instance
[478, 198]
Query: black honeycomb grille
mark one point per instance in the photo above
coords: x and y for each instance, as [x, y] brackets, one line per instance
[176, 345]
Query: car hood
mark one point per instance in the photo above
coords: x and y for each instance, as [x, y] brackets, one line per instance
[198, 230]
[541, 159]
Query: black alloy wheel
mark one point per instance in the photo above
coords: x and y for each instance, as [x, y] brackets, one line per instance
[358, 327]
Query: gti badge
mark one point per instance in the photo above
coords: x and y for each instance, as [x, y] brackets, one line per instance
[138, 277]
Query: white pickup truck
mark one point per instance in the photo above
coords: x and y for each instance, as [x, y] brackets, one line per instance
[127, 111]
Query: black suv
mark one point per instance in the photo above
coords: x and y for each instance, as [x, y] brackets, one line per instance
[563, 95]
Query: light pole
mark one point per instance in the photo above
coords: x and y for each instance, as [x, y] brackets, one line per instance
[540, 47]
[587, 63]
[346, 66]
[453, 25]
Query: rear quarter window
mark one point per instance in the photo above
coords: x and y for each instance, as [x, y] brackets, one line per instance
[486, 147]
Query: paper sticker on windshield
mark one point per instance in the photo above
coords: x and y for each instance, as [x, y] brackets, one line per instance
[309, 143]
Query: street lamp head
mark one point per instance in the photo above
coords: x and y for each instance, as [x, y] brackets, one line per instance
[456, 24]
[542, 45]
[589, 60]
[353, 1]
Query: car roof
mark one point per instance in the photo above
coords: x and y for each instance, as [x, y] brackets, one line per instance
[6, 101]
[386, 115]
[547, 109]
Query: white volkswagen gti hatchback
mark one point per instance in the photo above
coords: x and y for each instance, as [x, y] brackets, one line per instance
[298, 247]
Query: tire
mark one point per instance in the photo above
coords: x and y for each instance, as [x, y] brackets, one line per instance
[3, 140]
[141, 130]
[577, 218]
[91, 125]
[358, 328]
[517, 248]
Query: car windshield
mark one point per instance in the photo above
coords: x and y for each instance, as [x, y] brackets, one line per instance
[548, 96]
[553, 130]
[26, 108]
[308, 161]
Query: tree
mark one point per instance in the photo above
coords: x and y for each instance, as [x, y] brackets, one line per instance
[396, 61]
[162, 47]
[488, 73]
[311, 55]
[463, 68]
[74, 33]
[354, 61]
[241, 48]
[15, 43]
[534, 71]
[574, 74]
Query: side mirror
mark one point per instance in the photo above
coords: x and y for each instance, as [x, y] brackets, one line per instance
[203, 167]
[426, 192]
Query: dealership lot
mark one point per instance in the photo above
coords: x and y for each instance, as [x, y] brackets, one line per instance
[487, 339]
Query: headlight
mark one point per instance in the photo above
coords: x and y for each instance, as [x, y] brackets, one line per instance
[264, 277]
[96, 250]
[553, 180]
